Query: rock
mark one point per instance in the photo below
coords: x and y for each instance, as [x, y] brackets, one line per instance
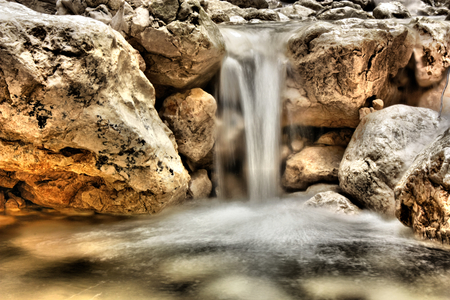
[389, 10]
[165, 10]
[334, 202]
[250, 3]
[42, 6]
[343, 13]
[7, 179]
[422, 195]
[200, 186]
[312, 165]
[432, 51]
[336, 138]
[314, 189]
[433, 11]
[191, 117]
[220, 17]
[11, 205]
[2, 201]
[378, 104]
[364, 111]
[77, 136]
[237, 20]
[380, 151]
[262, 14]
[312, 4]
[298, 144]
[337, 67]
[297, 11]
[20, 202]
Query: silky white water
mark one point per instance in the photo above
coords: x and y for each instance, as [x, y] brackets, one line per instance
[251, 82]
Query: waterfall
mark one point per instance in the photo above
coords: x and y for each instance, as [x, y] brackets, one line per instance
[251, 80]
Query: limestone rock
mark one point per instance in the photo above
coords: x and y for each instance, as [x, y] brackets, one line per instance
[422, 198]
[200, 186]
[380, 151]
[77, 122]
[343, 13]
[434, 11]
[11, 205]
[191, 117]
[432, 53]
[262, 14]
[311, 165]
[334, 202]
[337, 67]
[389, 10]
[336, 138]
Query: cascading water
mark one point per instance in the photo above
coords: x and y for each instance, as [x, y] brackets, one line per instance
[251, 80]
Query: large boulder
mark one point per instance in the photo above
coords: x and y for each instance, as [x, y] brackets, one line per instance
[181, 46]
[312, 165]
[337, 67]
[422, 196]
[381, 150]
[192, 118]
[77, 122]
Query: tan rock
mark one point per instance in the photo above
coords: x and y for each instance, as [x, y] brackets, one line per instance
[298, 144]
[378, 104]
[311, 165]
[364, 111]
[339, 66]
[7, 220]
[7, 179]
[191, 117]
[334, 202]
[20, 202]
[200, 186]
[87, 138]
[336, 138]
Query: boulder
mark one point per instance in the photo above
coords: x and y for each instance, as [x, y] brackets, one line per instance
[200, 186]
[334, 202]
[432, 50]
[262, 14]
[78, 126]
[297, 11]
[422, 195]
[192, 118]
[312, 4]
[181, 46]
[337, 67]
[343, 13]
[380, 151]
[389, 10]
[312, 165]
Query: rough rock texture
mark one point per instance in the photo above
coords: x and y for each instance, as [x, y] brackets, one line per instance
[389, 10]
[343, 13]
[432, 53]
[336, 138]
[380, 151]
[42, 6]
[337, 67]
[311, 165]
[191, 117]
[77, 123]
[200, 186]
[422, 197]
[334, 202]
[181, 46]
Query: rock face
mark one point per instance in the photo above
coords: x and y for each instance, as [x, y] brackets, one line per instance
[422, 195]
[380, 151]
[191, 117]
[334, 202]
[311, 165]
[77, 123]
[337, 67]
[181, 46]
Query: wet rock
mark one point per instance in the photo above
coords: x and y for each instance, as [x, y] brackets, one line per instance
[432, 51]
[250, 3]
[237, 20]
[314, 189]
[263, 14]
[11, 205]
[220, 17]
[42, 6]
[337, 67]
[191, 117]
[312, 4]
[380, 151]
[20, 202]
[433, 11]
[200, 186]
[7, 179]
[421, 196]
[389, 10]
[87, 138]
[297, 11]
[312, 165]
[336, 138]
[364, 111]
[334, 202]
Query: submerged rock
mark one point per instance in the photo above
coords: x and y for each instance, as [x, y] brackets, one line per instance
[422, 196]
[381, 150]
[77, 123]
[191, 117]
[337, 67]
[334, 202]
[312, 165]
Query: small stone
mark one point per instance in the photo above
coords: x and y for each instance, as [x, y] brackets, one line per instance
[334, 202]
[200, 185]
[297, 145]
[378, 104]
[363, 111]
[12, 205]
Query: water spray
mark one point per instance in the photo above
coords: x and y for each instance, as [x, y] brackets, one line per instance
[443, 92]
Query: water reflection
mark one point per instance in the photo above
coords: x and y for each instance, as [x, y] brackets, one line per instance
[214, 250]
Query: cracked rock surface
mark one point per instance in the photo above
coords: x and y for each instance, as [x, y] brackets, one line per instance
[381, 150]
[77, 123]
